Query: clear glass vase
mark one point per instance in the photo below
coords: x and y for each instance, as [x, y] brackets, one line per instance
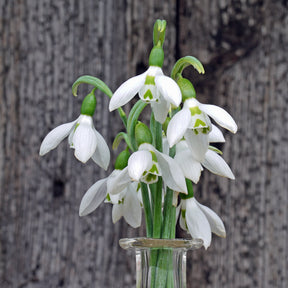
[160, 263]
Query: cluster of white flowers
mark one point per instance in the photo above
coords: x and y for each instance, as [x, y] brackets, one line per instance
[190, 129]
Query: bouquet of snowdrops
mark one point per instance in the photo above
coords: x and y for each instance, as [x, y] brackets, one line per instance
[161, 162]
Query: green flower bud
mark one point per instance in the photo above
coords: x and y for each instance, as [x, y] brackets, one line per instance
[89, 104]
[187, 89]
[156, 57]
[142, 134]
[122, 160]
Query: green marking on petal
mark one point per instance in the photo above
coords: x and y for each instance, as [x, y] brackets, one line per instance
[154, 158]
[154, 169]
[148, 95]
[108, 197]
[195, 110]
[198, 123]
[183, 212]
[150, 80]
[205, 130]
[151, 178]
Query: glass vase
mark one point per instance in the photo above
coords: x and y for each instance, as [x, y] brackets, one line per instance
[160, 263]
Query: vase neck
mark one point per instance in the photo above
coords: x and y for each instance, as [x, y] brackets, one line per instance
[160, 263]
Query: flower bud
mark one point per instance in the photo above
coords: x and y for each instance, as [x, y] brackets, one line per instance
[142, 134]
[89, 104]
[187, 89]
[122, 160]
[156, 57]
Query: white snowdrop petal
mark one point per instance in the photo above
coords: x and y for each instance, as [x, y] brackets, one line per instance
[198, 144]
[178, 126]
[169, 89]
[54, 137]
[131, 207]
[190, 167]
[94, 196]
[217, 165]
[117, 212]
[216, 224]
[216, 136]
[138, 163]
[101, 155]
[221, 117]
[118, 180]
[198, 225]
[160, 109]
[182, 221]
[127, 91]
[85, 142]
[172, 174]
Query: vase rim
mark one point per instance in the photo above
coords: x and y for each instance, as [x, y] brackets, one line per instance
[148, 243]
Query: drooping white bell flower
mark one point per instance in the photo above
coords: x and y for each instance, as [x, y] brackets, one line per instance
[153, 87]
[212, 161]
[193, 123]
[127, 204]
[148, 163]
[118, 190]
[83, 137]
[200, 221]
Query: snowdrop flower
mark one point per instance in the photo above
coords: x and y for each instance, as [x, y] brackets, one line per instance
[83, 137]
[121, 192]
[200, 221]
[144, 165]
[153, 87]
[148, 163]
[127, 204]
[193, 123]
[212, 161]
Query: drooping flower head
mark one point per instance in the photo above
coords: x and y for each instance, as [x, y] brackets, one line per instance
[200, 221]
[153, 87]
[83, 137]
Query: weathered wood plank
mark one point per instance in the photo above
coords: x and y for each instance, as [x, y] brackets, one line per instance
[46, 45]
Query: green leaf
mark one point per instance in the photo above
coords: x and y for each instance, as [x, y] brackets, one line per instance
[184, 62]
[97, 83]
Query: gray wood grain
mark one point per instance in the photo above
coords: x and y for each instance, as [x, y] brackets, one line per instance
[46, 45]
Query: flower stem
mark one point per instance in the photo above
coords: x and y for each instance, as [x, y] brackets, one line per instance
[147, 209]
[157, 216]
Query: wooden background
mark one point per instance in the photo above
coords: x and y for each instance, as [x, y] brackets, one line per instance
[46, 44]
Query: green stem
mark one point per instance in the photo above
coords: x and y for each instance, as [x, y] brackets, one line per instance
[168, 212]
[157, 216]
[147, 210]
[132, 121]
